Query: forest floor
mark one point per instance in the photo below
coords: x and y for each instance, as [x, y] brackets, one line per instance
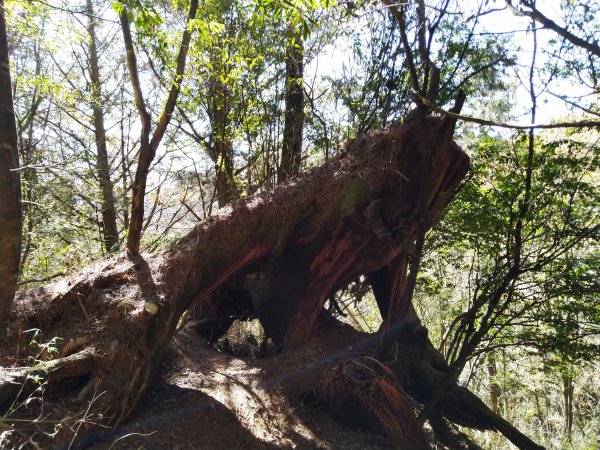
[203, 398]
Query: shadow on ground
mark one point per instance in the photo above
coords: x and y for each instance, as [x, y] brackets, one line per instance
[201, 398]
[172, 417]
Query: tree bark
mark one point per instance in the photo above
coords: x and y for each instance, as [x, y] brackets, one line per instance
[568, 402]
[282, 252]
[365, 393]
[494, 386]
[220, 150]
[109, 212]
[291, 146]
[421, 369]
[11, 220]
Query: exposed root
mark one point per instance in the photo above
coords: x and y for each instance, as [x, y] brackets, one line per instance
[365, 392]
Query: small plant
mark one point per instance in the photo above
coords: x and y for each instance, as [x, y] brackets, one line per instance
[126, 305]
[28, 401]
[45, 351]
[26, 419]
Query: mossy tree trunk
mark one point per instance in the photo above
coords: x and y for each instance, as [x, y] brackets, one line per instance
[291, 146]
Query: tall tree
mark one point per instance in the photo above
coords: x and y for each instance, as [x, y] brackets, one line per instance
[109, 213]
[220, 149]
[291, 147]
[148, 144]
[10, 201]
[26, 127]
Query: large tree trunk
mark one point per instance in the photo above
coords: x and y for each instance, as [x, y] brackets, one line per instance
[278, 255]
[10, 200]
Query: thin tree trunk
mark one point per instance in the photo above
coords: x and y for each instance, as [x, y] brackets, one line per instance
[568, 402]
[494, 387]
[11, 218]
[109, 213]
[146, 152]
[125, 162]
[27, 147]
[291, 147]
[149, 146]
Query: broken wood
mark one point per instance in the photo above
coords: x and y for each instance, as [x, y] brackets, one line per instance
[287, 250]
[364, 393]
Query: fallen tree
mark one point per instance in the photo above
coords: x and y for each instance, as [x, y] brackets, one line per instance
[276, 256]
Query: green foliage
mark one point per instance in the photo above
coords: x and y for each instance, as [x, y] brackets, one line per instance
[374, 89]
[142, 13]
[561, 221]
[546, 314]
[569, 320]
[297, 13]
[43, 351]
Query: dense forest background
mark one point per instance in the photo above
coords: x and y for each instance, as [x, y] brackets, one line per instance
[508, 283]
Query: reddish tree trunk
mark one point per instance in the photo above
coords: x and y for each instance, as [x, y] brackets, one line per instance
[283, 253]
[10, 201]
[286, 250]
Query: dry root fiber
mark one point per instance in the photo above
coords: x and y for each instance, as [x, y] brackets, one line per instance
[363, 392]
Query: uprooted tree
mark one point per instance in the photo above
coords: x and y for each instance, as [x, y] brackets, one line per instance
[276, 256]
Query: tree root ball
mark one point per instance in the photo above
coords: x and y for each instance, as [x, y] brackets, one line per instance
[364, 393]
